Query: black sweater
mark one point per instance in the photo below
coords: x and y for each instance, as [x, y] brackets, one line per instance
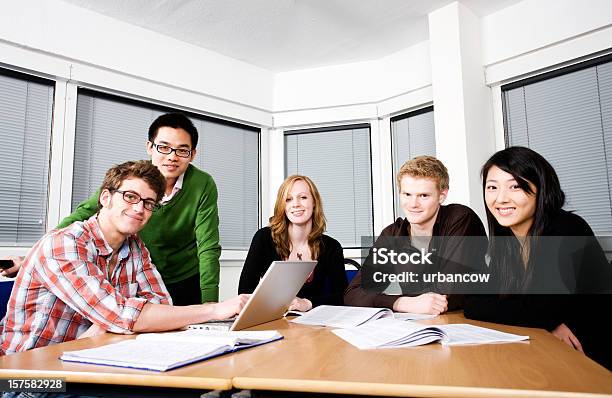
[329, 278]
[580, 311]
[453, 223]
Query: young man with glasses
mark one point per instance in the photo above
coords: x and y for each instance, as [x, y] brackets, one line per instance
[183, 234]
[96, 275]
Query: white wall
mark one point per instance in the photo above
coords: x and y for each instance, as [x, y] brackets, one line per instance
[524, 39]
[67, 41]
[536, 35]
[355, 83]
[534, 24]
[79, 47]
[229, 277]
[463, 118]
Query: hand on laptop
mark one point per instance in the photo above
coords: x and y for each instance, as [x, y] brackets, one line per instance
[300, 304]
[12, 271]
[229, 308]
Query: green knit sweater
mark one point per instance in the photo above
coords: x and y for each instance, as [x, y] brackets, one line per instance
[183, 235]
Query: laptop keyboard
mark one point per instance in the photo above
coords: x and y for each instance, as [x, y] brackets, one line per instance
[224, 325]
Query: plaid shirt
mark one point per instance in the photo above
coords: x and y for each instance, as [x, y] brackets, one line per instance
[65, 285]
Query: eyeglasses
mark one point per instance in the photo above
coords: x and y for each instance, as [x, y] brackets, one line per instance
[167, 150]
[133, 198]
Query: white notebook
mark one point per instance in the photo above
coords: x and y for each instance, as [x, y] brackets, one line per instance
[388, 333]
[165, 351]
[346, 316]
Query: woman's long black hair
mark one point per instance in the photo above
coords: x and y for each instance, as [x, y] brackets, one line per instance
[526, 166]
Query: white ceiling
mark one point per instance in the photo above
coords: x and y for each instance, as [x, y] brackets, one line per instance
[283, 35]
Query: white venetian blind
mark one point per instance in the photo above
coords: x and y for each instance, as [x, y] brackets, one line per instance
[412, 134]
[112, 130]
[109, 131]
[338, 160]
[568, 120]
[25, 132]
[230, 154]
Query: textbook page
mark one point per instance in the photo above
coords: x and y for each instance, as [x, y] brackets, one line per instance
[341, 316]
[143, 354]
[389, 332]
[462, 333]
[165, 351]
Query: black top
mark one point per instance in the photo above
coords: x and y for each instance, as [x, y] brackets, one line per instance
[580, 311]
[450, 256]
[328, 280]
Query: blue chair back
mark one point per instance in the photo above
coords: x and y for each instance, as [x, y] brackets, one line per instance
[6, 285]
[352, 269]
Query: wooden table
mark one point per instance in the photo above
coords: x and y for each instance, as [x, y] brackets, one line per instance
[313, 359]
[44, 362]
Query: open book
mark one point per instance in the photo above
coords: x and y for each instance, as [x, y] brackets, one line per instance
[388, 332]
[165, 351]
[346, 316]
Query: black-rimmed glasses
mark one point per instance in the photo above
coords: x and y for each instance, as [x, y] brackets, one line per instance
[167, 150]
[133, 198]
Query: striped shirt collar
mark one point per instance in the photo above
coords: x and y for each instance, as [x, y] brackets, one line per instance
[177, 187]
[103, 247]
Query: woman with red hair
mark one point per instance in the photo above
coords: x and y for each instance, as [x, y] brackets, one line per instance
[296, 233]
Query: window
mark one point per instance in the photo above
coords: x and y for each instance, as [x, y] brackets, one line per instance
[566, 116]
[230, 153]
[412, 134]
[111, 130]
[26, 108]
[339, 161]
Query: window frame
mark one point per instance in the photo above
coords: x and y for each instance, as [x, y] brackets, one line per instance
[165, 107]
[32, 77]
[605, 241]
[430, 108]
[333, 128]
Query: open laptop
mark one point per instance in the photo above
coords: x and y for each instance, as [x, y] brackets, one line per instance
[271, 298]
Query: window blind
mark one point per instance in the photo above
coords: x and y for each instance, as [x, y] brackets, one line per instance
[339, 162]
[412, 134]
[568, 120]
[231, 155]
[26, 107]
[112, 130]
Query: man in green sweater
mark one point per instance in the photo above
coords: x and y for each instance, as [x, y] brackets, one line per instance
[183, 235]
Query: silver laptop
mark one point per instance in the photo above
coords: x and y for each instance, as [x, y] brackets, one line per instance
[271, 297]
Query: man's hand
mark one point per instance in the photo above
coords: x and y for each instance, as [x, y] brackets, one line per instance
[94, 330]
[300, 304]
[17, 263]
[563, 333]
[428, 303]
[229, 308]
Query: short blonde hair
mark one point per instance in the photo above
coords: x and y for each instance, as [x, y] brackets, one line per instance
[424, 167]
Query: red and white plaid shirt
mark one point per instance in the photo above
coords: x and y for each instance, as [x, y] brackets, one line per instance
[65, 285]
